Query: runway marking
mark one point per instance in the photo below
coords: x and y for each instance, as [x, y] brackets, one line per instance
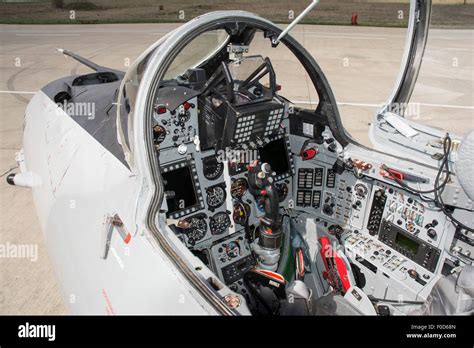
[79, 32]
[355, 37]
[47, 34]
[463, 107]
[17, 92]
[305, 102]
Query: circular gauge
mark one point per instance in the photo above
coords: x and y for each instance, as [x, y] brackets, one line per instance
[282, 191]
[212, 168]
[232, 249]
[335, 230]
[159, 134]
[361, 190]
[238, 188]
[184, 116]
[241, 213]
[215, 196]
[197, 228]
[219, 223]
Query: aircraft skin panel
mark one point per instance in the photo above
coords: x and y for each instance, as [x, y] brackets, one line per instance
[96, 111]
[87, 183]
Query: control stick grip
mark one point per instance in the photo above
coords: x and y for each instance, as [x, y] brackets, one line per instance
[261, 185]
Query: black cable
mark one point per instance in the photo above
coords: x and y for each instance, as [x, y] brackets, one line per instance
[439, 189]
[375, 299]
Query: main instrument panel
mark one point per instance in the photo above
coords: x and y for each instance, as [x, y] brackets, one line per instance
[398, 242]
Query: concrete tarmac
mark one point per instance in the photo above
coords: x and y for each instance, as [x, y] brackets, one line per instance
[361, 64]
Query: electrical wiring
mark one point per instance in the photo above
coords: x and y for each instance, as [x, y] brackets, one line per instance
[439, 189]
[395, 302]
[437, 186]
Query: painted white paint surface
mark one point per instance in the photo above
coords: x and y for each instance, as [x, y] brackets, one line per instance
[82, 183]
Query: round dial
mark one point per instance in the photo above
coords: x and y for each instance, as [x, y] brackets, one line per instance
[215, 196]
[238, 188]
[241, 213]
[159, 134]
[219, 223]
[282, 191]
[232, 249]
[212, 168]
[184, 116]
[361, 190]
[197, 228]
[335, 230]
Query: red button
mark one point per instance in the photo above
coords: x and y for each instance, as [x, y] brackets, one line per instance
[309, 153]
[160, 109]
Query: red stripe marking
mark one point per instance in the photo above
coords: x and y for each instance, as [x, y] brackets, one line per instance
[128, 237]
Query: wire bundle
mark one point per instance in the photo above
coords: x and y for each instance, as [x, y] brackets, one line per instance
[438, 186]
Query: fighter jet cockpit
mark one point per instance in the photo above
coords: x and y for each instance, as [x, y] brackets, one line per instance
[279, 208]
[215, 176]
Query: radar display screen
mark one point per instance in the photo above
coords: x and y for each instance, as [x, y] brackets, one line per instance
[179, 188]
[275, 154]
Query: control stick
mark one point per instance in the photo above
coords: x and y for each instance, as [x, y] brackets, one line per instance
[261, 186]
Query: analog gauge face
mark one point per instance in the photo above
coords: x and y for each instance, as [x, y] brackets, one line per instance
[184, 116]
[241, 213]
[219, 223]
[159, 134]
[215, 196]
[238, 188]
[232, 249]
[335, 230]
[212, 168]
[361, 190]
[282, 191]
[197, 228]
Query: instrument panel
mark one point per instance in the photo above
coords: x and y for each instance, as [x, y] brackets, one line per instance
[393, 237]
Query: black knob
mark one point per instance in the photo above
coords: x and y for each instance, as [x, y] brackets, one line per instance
[431, 233]
[11, 179]
[414, 274]
[327, 209]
